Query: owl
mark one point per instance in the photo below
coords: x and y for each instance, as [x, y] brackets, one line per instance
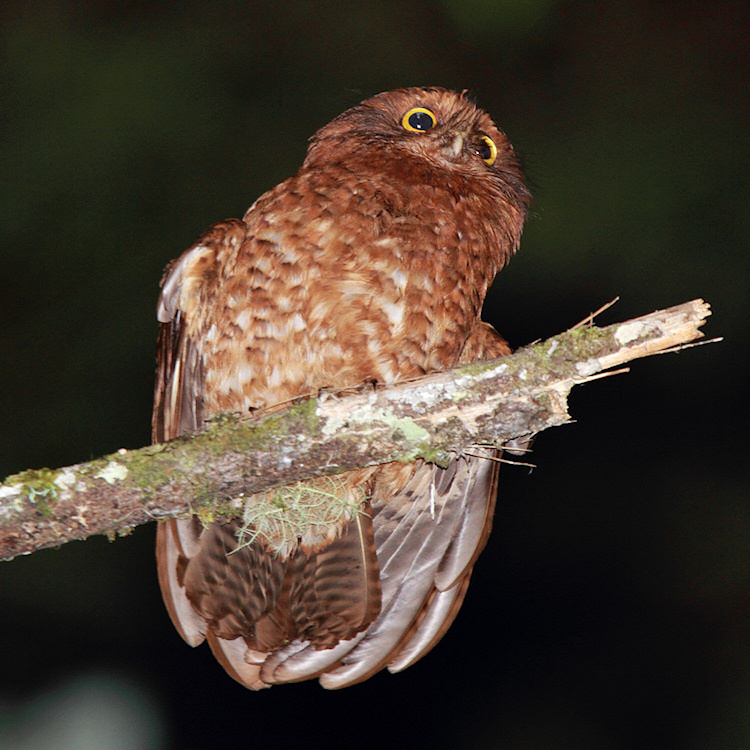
[370, 264]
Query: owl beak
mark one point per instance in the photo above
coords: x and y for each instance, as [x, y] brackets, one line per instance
[457, 143]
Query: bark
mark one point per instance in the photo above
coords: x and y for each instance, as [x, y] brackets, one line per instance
[499, 403]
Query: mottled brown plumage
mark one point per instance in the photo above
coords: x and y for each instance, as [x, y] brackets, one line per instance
[370, 264]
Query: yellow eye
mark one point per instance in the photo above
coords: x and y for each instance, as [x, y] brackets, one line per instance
[419, 120]
[487, 149]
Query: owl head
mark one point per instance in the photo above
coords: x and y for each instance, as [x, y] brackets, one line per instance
[425, 142]
[433, 125]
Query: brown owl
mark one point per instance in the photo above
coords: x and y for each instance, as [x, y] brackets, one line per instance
[370, 264]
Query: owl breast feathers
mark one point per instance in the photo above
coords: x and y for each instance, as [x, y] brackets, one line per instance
[370, 264]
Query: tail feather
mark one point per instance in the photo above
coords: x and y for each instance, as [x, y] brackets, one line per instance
[257, 610]
[336, 593]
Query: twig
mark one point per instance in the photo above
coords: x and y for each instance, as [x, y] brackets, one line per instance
[590, 317]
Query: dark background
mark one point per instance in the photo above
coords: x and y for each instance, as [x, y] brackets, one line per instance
[611, 608]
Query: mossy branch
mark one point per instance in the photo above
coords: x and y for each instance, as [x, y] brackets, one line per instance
[209, 473]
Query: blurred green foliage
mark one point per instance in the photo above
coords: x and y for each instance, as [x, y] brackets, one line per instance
[611, 608]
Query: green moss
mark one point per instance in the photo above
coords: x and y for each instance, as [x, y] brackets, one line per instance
[307, 411]
[205, 514]
[543, 399]
[557, 356]
[476, 368]
[434, 456]
[301, 417]
[222, 419]
[146, 471]
[227, 432]
[410, 430]
[38, 487]
[588, 341]
[303, 510]
[122, 531]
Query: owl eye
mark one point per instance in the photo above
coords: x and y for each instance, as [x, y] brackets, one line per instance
[419, 120]
[487, 149]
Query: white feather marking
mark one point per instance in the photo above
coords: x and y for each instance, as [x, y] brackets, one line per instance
[170, 290]
[399, 279]
[244, 319]
[276, 377]
[173, 388]
[395, 313]
[322, 225]
[245, 373]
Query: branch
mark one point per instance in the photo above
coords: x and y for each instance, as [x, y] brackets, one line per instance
[433, 417]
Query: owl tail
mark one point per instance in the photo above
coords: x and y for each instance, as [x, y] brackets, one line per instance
[251, 604]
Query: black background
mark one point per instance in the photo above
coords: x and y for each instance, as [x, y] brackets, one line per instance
[610, 609]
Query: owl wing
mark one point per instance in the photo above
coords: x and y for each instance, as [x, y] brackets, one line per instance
[430, 525]
[246, 602]
[429, 530]
[188, 285]
[464, 493]
[179, 399]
